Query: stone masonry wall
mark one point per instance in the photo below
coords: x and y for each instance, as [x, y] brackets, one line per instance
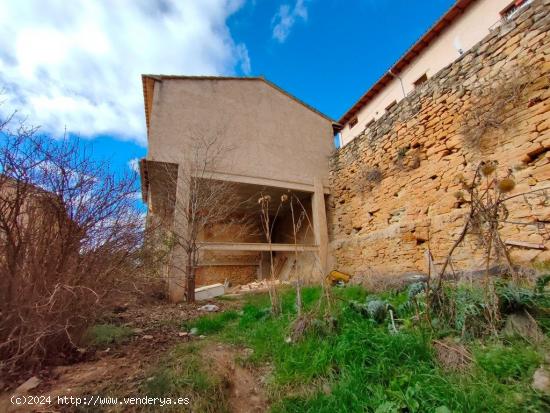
[392, 188]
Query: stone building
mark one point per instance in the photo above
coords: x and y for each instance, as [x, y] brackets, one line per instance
[279, 145]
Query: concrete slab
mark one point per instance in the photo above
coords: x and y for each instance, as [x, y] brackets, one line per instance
[209, 291]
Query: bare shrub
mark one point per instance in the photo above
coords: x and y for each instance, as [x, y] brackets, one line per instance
[368, 177]
[490, 103]
[68, 232]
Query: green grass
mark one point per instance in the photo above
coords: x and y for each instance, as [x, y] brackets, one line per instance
[508, 363]
[184, 373]
[363, 368]
[102, 335]
[212, 323]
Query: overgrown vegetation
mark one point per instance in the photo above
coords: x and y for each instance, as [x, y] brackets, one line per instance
[491, 101]
[69, 233]
[183, 373]
[381, 361]
[102, 335]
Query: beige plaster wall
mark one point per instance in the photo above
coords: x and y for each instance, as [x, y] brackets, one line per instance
[272, 135]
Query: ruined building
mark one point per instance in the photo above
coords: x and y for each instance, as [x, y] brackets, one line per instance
[276, 145]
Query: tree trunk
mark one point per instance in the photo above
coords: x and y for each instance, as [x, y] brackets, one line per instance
[190, 282]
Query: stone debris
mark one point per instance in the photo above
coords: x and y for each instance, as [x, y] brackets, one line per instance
[183, 334]
[193, 331]
[541, 380]
[523, 325]
[28, 385]
[255, 286]
[147, 337]
[209, 308]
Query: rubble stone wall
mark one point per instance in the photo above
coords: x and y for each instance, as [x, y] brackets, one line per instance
[393, 189]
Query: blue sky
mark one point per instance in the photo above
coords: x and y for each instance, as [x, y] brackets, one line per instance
[76, 65]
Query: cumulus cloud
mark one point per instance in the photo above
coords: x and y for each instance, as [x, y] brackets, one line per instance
[77, 64]
[286, 17]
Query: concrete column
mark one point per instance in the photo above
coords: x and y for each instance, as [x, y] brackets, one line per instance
[319, 218]
[178, 256]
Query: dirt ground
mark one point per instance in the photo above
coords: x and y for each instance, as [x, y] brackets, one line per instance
[245, 389]
[120, 370]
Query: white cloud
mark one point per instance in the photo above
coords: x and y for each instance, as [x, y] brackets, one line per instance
[133, 164]
[242, 55]
[78, 63]
[286, 17]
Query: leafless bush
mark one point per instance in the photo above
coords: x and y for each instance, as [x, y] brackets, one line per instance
[490, 103]
[368, 177]
[68, 232]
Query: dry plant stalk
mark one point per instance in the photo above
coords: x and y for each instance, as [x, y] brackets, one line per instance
[327, 296]
[296, 224]
[69, 235]
[267, 226]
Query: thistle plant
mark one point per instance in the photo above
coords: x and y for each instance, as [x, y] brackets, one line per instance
[486, 194]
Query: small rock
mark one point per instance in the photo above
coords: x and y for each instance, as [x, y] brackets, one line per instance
[137, 330]
[202, 337]
[28, 385]
[522, 325]
[183, 334]
[147, 337]
[541, 380]
[120, 309]
[288, 340]
[209, 307]
[193, 331]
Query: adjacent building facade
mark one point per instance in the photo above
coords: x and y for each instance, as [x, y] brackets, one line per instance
[465, 24]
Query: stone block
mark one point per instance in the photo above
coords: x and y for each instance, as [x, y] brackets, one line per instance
[209, 291]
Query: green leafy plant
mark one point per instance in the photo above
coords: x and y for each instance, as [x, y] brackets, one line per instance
[101, 335]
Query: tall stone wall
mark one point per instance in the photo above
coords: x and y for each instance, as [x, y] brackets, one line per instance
[393, 189]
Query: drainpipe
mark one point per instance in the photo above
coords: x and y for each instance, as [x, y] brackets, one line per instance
[400, 81]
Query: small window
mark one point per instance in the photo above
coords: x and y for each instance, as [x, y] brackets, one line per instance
[422, 79]
[371, 122]
[514, 7]
[353, 121]
[391, 105]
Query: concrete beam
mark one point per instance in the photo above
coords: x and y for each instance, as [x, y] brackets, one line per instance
[254, 246]
[254, 180]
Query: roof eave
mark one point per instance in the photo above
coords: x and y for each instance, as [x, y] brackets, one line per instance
[416, 49]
